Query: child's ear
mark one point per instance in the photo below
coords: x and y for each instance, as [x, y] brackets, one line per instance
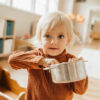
[68, 42]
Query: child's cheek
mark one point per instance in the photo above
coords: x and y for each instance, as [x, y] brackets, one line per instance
[45, 45]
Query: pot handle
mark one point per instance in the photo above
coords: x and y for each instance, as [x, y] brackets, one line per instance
[85, 61]
[47, 68]
[50, 67]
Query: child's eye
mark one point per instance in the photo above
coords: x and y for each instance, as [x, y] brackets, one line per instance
[47, 36]
[61, 36]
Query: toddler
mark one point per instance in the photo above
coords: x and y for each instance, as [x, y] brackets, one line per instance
[53, 35]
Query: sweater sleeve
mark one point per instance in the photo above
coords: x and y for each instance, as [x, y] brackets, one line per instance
[81, 86]
[78, 87]
[26, 60]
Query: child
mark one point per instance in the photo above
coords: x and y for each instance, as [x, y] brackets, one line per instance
[54, 33]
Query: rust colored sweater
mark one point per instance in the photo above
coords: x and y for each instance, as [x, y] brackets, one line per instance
[40, 85]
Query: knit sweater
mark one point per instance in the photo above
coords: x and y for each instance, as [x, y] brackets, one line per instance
[40, 85]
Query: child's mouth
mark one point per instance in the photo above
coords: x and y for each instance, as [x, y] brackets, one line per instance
[53, 48]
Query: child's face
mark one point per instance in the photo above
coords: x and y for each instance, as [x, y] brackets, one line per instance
[54, 41]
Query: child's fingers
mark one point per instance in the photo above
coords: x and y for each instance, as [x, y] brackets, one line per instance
[72, 59]
[45, 64]
[75, 59]
[81, 58]
[54, 62]
[69, 60]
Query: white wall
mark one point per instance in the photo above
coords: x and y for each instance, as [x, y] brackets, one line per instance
[23, 19]
[84, 9]
[66, 5]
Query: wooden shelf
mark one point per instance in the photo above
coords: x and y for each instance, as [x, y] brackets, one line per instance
[1, 37]
[7, 37]
[4, 55]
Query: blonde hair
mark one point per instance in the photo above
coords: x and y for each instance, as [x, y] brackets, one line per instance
[48, 22]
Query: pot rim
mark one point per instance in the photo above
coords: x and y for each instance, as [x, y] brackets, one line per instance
[52, 66]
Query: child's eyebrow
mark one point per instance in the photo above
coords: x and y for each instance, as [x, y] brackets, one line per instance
[47, 34]
[61, 33]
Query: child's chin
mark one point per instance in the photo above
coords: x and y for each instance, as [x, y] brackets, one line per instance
[54, 54]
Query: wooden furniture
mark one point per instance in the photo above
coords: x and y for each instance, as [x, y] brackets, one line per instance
[21, 42]
[21, 96]
[12, 80]
[95, 34]
[4, 97]
[6, 36]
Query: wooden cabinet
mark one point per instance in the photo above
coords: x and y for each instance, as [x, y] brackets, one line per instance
[7, 36]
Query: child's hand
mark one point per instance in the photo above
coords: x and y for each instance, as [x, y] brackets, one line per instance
[75, 59]
[45, 62]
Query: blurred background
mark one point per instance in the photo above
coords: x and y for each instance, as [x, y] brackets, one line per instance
[18, 21]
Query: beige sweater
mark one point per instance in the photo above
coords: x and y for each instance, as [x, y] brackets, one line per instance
[40, 85]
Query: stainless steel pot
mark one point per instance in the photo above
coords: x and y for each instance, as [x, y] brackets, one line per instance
[67, 72]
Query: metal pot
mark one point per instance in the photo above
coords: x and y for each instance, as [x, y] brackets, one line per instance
[67, 72]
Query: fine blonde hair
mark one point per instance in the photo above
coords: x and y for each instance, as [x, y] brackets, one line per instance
[48, 22]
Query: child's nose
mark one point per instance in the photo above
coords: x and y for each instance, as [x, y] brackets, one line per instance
[54, 41]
